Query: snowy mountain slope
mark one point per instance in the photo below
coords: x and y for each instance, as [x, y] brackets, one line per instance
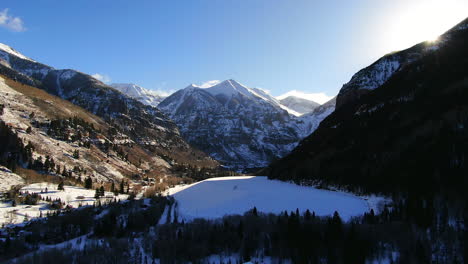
[139, 93]
[401, 136]
[231, 88]
[237, 195]
[299, 105]
[240, 126]
[102, 163]
[8, 179]
[384, 68]
[87, 92]
[10, 50]
[312, 120]
[145, 125]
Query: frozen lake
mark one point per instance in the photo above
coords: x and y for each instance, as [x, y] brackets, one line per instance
[214, 198]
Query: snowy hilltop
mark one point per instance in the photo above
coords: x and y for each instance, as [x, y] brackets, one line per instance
[147, 97]
[299, 105]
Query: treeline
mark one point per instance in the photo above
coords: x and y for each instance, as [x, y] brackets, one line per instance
[393, 236]
[13, 151]
[113, 221]
[128, 232]
[71, 129]
[200, 173]
[75, 129]
[17, 77]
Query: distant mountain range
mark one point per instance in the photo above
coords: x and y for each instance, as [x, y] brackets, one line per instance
[142, 125]
[240, 126]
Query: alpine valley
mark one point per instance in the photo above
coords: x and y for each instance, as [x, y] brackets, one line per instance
[92, 172]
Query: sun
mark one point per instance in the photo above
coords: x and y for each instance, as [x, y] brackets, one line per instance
[433, 39]
[419, 21]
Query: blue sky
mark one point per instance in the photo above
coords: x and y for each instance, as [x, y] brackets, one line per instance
[279, 45]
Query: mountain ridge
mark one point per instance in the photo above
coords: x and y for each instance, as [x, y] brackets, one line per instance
[146, 125]
[145, 96]
[394, 138]
[299, 105]
[376, 74]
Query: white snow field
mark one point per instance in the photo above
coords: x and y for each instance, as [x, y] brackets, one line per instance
[217, 197]
[72, 195]
[8, 179]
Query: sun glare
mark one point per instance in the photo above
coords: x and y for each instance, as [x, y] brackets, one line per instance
[423, 21]
[433, 39]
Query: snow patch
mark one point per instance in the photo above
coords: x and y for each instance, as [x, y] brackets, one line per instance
[12, 51]
[8, 179]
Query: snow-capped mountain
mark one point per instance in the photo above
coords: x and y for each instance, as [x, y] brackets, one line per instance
[9, 50]
[299, 105]
[143, 95]
[240, 126]
[145, 125]
[312, 120]
[83, 90]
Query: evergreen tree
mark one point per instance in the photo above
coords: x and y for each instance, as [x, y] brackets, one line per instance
[101, 191]
[307, 215]
[88, 183]
[97, 194]
[122, 187]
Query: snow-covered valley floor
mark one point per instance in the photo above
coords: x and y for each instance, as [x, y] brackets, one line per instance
[71, 195]
[217, 197]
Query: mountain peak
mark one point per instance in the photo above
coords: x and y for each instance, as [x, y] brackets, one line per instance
[228, 88]
[299, 105]
[128, 87]
[135, 91]
[192, 86]
[232, 82]
[10, 50]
